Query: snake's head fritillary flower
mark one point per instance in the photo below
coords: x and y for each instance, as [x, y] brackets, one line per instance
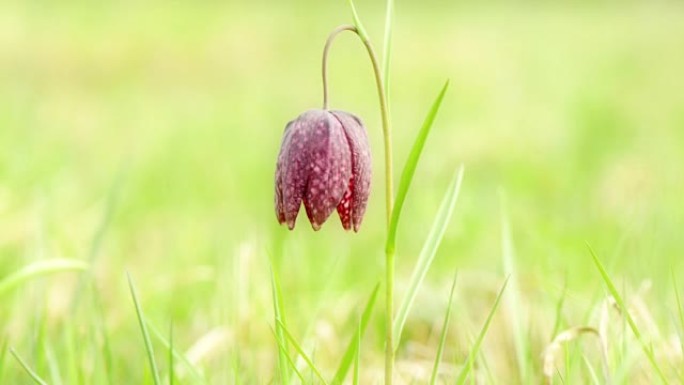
[325, 162]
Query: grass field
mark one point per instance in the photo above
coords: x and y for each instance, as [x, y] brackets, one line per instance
[141, 138]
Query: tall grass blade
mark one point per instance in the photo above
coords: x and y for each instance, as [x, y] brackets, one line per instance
[289, 359]
[98, 236]
[512, 298]
[279, 316]
[592, 373]
[71, 355]
[178, 355]
[442, 338]
[37, 269]
[143, 328]
[468, 367]
[427, 254]
[102, 329]
[53, 365]
[357, 21]
[648, 349]
[353, 346]
[170, 351]
[387, 47]
[303, 354]
[559, 310]
[560, 341]
[355, 380]
[36, 378]
[680, 310]
[410, 169]
[3, 356]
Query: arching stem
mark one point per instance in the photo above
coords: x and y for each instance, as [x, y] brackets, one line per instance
[386, 129]
[389, 194]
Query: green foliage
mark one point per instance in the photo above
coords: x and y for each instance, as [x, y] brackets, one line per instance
[37, 269]
[175, 354]
[443, 334]
[428, 252]
[284, 360]
[36, 378]
[302, 353]
[352, 352]
[513, 297]
[149, 349]
[647, 348]
[475, 350]
[410, 169]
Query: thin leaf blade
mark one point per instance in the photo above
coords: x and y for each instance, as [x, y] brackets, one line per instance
[387, 47]
[680, 309]
[357, 21]
[428, 253]
[442, 338]
[410, 169]
[40, 268]
[302, 353]
[34, 376]
[648, 349]
[143, 328]
[279, 314]
[283, 349]
[512, 300]
[476, 348]
[170, 345]
[353, 346]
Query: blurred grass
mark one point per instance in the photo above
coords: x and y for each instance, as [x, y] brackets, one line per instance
[576, 111]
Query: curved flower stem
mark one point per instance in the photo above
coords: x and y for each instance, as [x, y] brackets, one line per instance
[384, 112]
[389, 195]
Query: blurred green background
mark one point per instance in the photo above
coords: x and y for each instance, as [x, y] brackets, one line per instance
[142, 136]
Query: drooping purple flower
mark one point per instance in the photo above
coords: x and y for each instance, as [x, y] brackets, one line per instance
[325, 162]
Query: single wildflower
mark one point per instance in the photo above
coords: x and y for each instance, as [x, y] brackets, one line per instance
[324, 162]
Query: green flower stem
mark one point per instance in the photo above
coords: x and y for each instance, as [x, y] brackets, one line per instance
[389, 195]
[384, 112]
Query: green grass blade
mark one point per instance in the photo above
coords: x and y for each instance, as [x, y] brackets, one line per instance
[302, 353]
[680, 310]
[592, 373]
[3, 356]
[512, 299]
[442, 338]
[98, 236]
[559, 310]
[355, 380]
[387, 47]
[648, 350]
[357, 21]
[178, 355]
[36, 378]
[71, 355]
[170, 351]
[289, 360]
[102, 329]
[410, 169]
[37, 269]
[53, 365]
[279, 314]
[476, 348]
[143, 328]
[427, 254]
[352, 348]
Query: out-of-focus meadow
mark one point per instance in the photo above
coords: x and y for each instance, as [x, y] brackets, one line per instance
[141, 137]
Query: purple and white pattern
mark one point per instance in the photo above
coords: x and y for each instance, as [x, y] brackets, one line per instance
[324, 162]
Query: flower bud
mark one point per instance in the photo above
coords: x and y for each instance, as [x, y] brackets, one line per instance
[325, 162]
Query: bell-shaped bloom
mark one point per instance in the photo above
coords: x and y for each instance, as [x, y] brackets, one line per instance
[325, 162]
